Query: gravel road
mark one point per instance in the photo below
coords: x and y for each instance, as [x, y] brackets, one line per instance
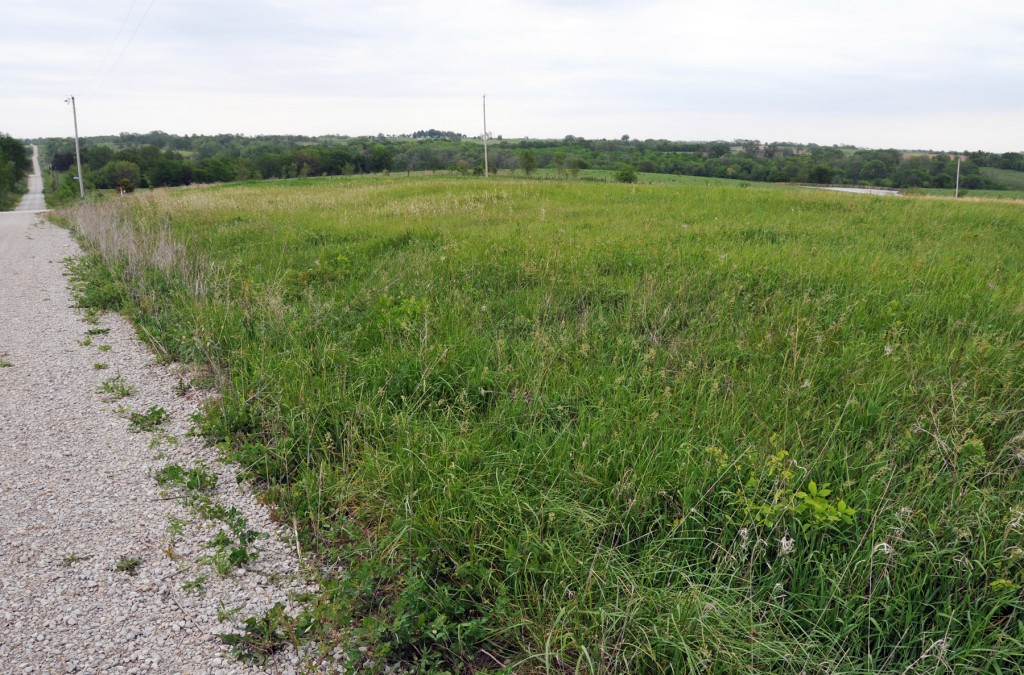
[78, 498]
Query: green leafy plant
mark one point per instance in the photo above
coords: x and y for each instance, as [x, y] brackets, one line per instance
[147, 421]
[116, 387]
[129, 566]
[196, 479]
[72, 558]
[814, 508]
[196, 585]
[263, 635]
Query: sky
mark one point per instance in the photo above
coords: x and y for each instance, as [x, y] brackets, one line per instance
[933, 74]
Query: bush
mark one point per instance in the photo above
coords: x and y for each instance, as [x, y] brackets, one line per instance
[626, 174]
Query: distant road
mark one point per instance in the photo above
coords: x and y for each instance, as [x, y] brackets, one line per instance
[863, 191]
[33, 199]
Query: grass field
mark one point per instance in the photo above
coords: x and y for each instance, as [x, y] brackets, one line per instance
[1013, 180]
[1016, 195]
[560, 426]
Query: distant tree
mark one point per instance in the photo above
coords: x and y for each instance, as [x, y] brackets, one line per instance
[558, 161]
[379, 159]
[118, 174]
[528, 161]
[575, 165]
[626, 174]
[718, 149]
[821, 173]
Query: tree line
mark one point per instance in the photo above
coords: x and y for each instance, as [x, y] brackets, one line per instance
[15, 164]
[159, 159]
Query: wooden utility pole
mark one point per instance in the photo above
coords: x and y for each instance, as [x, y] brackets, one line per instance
[78, 153]
[956, 194]
[485, 137]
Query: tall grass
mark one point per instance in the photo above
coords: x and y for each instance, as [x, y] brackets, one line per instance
[615, 428]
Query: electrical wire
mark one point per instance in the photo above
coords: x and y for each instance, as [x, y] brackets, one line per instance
[103, 61]
[124, 48]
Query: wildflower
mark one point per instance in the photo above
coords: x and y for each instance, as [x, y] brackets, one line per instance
[786, 545]
[806, 384]
[744, 536]
[888, 350]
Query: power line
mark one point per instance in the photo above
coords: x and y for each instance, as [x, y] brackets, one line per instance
[123, 49]
[103, 61]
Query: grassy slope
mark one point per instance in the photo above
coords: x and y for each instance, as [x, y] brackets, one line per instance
[581, 421]
[1013, 180]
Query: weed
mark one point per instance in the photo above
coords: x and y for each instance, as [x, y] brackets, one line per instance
[86, 342]
[176, 526]
[129, 566]
[72, 558]
[116, 388]
[97, 331]
[262, 636]
[233, 547]
[161, 438]
[197, 585]
[147, 421]
[228, 614]
[197, 479]
[4, 363]
[182, 387]
[99, 365]
[103, 348]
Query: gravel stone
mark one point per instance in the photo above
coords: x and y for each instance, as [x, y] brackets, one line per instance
[77, 495]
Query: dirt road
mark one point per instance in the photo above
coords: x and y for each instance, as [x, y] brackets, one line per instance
[101, 570]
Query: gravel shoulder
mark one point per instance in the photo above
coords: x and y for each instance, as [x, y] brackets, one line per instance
[78, 498]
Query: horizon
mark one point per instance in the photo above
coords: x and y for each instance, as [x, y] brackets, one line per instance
[512, 139]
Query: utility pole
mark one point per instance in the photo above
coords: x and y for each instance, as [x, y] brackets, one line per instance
[956, 195]
[485, 136]
[78, 152]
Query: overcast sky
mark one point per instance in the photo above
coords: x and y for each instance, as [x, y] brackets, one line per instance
[932, 74]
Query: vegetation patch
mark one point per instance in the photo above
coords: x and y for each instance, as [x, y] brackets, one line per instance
[116, 387]
[263, 635]
[628, 428]
[151, 420]
[129, 566]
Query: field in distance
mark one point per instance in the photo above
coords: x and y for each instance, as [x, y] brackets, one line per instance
[563, 425]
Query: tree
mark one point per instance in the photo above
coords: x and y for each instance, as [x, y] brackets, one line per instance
[528, 161]
[822, 173]
[118, 174]
[626, 174]
[575, 165]
[558, 160]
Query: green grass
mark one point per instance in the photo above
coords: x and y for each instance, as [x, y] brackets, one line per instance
[654, 428]
[1013, 180]
[975, 194]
